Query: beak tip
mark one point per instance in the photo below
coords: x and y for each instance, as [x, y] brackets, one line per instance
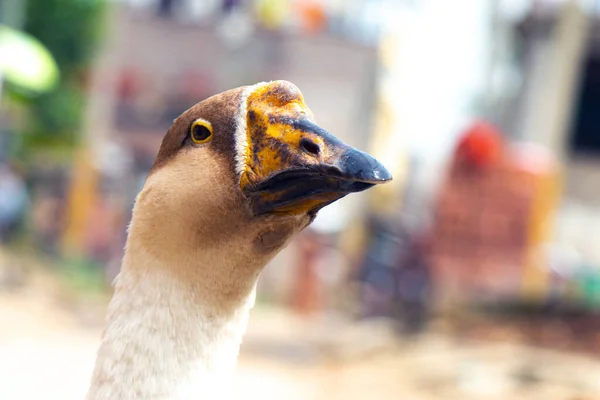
[381, 174]
[363, 167]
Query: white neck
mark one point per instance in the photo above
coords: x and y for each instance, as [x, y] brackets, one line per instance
[165, 341]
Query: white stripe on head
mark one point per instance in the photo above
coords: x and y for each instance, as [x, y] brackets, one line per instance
[241, 137]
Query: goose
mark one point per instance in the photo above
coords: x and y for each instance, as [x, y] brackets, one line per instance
[236, 177]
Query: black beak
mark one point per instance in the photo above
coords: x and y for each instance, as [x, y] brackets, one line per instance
[357, 166]
[309, 188]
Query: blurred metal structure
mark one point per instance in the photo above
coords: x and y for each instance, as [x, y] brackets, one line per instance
[555, 42]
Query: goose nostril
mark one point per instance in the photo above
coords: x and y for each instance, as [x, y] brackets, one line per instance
[310, 147]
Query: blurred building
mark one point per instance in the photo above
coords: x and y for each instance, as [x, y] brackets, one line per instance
[541, 88]
[400, 78]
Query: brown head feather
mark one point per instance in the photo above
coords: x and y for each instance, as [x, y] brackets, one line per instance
[221, 110]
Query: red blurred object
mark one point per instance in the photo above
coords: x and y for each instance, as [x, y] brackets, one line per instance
[307, 292]
[195, 85]
[129, 84]
[480, 146]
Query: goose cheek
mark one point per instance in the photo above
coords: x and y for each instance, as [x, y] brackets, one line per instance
[275, 237]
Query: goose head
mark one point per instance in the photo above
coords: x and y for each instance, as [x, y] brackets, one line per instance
[247, 168]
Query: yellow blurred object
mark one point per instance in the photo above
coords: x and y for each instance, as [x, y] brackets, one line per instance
[81, 198]
[387, 199]
[547, 181]
[386, 141]
[388, 50]
[272, 13]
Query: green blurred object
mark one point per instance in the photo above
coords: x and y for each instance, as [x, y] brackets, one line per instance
[25, 62]
[72, 30]
[589, 283]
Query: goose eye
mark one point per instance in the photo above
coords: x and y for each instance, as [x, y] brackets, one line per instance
[201, 131]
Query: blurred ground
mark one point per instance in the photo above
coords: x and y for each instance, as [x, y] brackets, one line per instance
[49, 336]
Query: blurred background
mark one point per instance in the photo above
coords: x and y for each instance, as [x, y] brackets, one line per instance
[474, 275]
